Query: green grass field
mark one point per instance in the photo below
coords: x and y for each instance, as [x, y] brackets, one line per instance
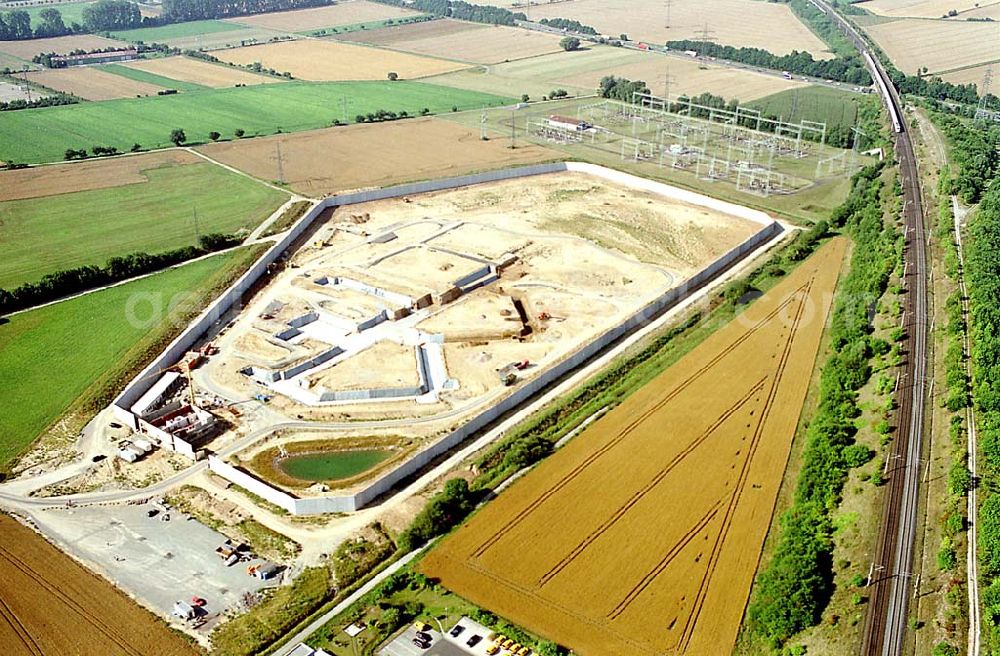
[72, 357]
[813, 103]
[43, 235]
[152, 78]
[175, 31]
[367, 25]
[43, 135]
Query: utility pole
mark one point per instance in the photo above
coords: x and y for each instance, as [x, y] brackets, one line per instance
[982, 112]
[281, 168]
[482, 125]
[343, 105]
[513, 129]
[669, 5]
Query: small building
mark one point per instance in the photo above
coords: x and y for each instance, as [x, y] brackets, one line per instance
[567, 123]
[63, 61]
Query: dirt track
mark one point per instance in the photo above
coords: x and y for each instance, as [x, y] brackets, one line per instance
[51, 605]
[643, 534]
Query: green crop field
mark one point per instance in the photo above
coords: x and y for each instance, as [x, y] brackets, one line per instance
[367, 25]
[43, 135]
[176, 31]
[814, 103]
[42, 235]
[71, 12]
[152, 78]
[75, 355]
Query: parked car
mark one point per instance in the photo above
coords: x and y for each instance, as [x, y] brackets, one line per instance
[457, 630]
[423, 644]
[152, 512]
[426, 637]
[474, 640]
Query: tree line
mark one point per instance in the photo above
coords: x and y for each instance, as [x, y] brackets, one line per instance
[982, 269]
[851, 70]
[973, 153]
[114, 15]
[794, 587]
[45, 101]
[460, 10]
[569, 25]
[64, 283]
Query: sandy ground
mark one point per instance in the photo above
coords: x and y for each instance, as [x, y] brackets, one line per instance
[52, 605]
[92, 83]
[345, 302]
[450, 39]
[60, 45]
[589, 252]
[187, 69]
[342, 13]
[748, 23]
[317, 60]
[484, 315]
[360, 156]
[84, 176]
[10, 92]
[591, 544]
[921, 8]
[938, 45]
[384, 364]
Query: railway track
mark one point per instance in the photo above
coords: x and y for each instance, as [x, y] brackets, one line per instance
[892, 567]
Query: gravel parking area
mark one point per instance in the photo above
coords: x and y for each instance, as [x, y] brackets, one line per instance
[156, 561]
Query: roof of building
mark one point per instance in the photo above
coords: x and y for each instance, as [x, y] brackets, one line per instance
[154, 393]
[567, 119]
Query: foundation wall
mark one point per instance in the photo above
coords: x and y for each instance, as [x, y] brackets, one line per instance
[232, 298]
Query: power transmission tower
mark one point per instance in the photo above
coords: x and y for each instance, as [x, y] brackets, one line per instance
[705, 34]
[343, 105]
[982, 112]
[667, 81]
[281, 168]
[513, 129]
[482, 125]
[669, 5]
[27, 87]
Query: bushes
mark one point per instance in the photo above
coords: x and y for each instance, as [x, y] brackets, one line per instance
[792, 590]
[275, 616]
[72, 281]
[444, 511]
[974, 153]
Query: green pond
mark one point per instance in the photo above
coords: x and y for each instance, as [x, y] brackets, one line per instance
[332, 465]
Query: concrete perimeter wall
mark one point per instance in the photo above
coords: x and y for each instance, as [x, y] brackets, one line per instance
[523, 393]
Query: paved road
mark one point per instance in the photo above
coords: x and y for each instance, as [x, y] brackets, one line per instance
[892, 570]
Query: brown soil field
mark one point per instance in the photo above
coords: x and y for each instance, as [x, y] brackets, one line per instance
[60, 45]
[342, 13]
[84, 176]
[200, 72]
[938, 45]
[92, 83]
[919, 8]
[471, 42]
[316, 60]
[338, 159]
[51, 605]
[642, 535]
[731, 22]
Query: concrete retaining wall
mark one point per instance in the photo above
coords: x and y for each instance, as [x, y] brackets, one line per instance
[255, 485]
[232, 296]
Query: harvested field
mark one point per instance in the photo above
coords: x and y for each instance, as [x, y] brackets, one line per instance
[919, 8]
[747, 23]
[971, 75]
[342, 13]
[195, 35]
[86, 176]
[991, 10]
[471, 42]
[60, 45]
[331, 61]
[51, 605]
[646, 529]
[580, 72]
[338, 159]
[92, 83]
[196, 71]
[938, 45]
